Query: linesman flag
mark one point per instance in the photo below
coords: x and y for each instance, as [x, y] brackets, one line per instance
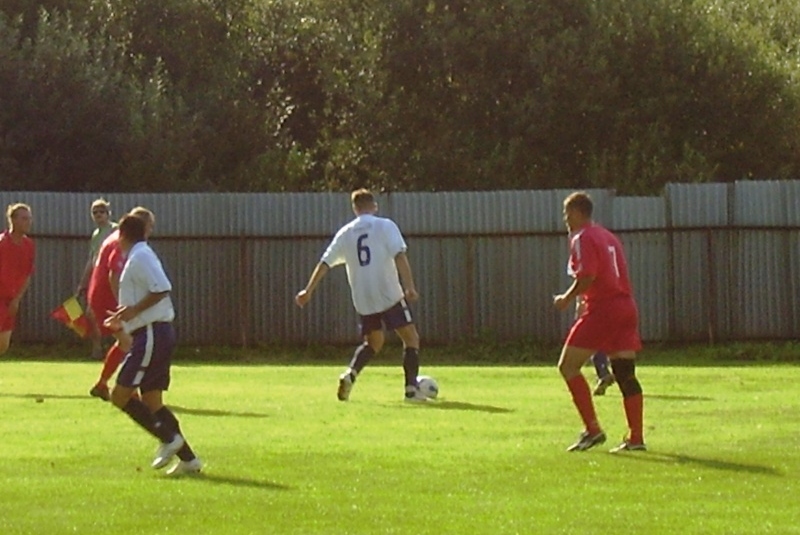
[70, 313]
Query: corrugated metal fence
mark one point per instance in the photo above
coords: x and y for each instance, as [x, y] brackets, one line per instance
[708, 261]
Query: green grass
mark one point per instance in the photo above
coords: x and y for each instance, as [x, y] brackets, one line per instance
[284, 457]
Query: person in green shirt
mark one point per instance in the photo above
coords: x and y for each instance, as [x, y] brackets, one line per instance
[101, 215]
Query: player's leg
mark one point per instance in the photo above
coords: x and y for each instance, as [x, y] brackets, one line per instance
[7, 324]
[128, 381]
[400, 320]
[155, 382]
[624, 365]
[372, 333]
[569, 365]
[410, 337]
[165, 418]
[5, 341]
[604, 376]
[114, 356]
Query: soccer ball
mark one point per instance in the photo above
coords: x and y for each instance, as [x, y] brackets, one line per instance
[428, 386]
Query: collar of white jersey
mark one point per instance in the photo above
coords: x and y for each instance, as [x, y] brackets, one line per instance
[137, 246]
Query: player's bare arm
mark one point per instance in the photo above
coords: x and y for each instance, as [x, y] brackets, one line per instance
[304, 295]
[406, 278]
[578, 287]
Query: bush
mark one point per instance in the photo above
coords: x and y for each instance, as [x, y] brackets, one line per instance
[243, 95]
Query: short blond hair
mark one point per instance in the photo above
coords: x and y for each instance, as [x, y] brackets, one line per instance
[581, 202]
[12, 209]
[362, 198]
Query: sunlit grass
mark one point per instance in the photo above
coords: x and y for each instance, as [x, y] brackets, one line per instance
[283, 456]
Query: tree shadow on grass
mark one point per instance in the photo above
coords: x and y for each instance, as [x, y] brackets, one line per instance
[683, 459]
[232, 481]
[216, 412]
[45, 396]
[670, 397]
[460, 406]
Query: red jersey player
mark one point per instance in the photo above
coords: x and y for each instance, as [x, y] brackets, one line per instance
[102, 296]
[17, 253]
[609, 322]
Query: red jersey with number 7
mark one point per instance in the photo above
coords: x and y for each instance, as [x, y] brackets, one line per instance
[595, 251]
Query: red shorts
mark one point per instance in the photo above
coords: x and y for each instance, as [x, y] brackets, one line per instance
[100, 313]
[7, 322]
[610, 326]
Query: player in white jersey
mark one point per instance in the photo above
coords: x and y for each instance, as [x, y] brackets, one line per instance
[374, 253]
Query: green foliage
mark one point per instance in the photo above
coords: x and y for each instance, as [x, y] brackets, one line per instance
[280, 95]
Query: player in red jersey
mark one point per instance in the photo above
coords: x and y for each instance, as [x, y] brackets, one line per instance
[17, 253]
[102, 296]
[609, 322]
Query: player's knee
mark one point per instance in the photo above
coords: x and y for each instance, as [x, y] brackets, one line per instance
[120, 396]
[411, 341]
[568, 370]
[625, 374]
[374, 346]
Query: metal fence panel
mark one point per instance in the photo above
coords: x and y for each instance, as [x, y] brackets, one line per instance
[707, 261]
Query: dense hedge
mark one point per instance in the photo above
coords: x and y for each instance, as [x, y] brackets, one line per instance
[275, 95]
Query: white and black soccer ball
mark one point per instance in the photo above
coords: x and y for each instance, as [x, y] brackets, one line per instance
[428, 386]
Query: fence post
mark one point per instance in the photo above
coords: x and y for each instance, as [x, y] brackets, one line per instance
[245, 291]
[711, 288]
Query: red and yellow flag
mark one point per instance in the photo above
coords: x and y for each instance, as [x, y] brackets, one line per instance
[70, 313]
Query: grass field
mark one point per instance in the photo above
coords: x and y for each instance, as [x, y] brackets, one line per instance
[283, 456]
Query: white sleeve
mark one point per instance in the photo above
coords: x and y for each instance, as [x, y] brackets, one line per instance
[394, 239]
[157, 279]
[334, 254]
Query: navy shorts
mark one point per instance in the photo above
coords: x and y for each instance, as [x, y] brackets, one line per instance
[147, 364]
[394, 318]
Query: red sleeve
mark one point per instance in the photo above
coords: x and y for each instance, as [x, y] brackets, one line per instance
[583, 258]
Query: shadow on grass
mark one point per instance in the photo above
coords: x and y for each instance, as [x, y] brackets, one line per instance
[216, 412]
[460, 406]
[670, 397]
[233, 481]
[45, 396]
[716, 464]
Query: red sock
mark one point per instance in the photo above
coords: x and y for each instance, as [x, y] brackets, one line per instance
[634, 408]
[582, 397]
[113, 359]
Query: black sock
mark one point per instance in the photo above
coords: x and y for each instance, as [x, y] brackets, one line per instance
[140, 414]
[600, 361]
[362, 355]
[411, 365]
[167, 416]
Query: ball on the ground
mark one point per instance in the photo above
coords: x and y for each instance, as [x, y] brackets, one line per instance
[428, 386]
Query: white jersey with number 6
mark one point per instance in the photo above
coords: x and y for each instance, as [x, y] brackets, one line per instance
[367, 247]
